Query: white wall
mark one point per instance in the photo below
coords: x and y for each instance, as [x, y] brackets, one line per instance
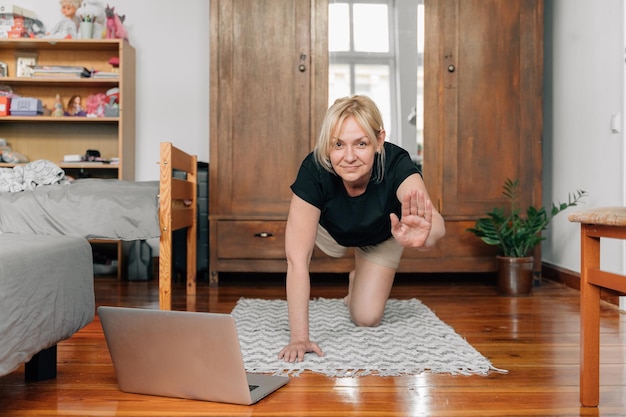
[584, 86]
[171, 41]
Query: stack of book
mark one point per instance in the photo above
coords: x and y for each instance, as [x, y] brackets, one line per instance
[105, 74]
[60, 71]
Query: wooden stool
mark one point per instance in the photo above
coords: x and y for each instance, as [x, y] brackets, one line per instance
[606, 222]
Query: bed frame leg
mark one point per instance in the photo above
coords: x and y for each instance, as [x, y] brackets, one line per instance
[214, 279]
[42, 366]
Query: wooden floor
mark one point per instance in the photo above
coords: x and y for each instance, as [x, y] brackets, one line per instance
[534, 338]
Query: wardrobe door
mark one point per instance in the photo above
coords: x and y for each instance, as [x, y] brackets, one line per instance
[483, 119]
[484, 68]
[262, 103]
[266, 104]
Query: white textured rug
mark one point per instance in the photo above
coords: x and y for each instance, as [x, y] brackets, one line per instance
[410, 340]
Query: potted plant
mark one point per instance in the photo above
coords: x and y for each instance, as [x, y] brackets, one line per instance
[517, 233]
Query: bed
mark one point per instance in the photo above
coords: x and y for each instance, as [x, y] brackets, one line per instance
[43, 298]
[46, 263]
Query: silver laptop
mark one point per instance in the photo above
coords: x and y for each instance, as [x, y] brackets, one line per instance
[181, 354]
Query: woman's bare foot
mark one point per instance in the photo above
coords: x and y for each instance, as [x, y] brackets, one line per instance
[346, 299]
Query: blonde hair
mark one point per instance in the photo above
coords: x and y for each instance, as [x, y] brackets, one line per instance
[75, 3]
[366, 114]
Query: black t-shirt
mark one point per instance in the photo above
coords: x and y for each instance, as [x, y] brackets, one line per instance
[362, 220]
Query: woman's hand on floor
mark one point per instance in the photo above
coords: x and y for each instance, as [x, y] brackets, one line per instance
[295, 351]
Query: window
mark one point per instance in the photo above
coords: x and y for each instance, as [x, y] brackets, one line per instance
[376, 48]
[362, 54]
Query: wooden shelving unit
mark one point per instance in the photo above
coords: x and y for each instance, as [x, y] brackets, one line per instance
[47, 137]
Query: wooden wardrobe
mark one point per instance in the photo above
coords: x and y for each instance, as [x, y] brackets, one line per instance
[483, 123]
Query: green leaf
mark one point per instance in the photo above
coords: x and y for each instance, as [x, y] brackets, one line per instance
[518, 232]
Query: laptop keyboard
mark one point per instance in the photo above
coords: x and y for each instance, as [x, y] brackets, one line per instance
[253, 387]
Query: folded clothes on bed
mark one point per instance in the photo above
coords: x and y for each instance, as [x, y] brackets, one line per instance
[90, 208]
[31, 176]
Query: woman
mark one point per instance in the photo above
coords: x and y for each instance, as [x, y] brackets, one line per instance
[354, 190]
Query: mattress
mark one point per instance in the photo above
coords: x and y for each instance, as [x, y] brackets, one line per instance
[89, 208]
[46, 294]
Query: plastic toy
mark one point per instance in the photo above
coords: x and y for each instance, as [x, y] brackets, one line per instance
[95, 105]
[115, 26]
[68, 26]
[74, 107]
[58, 107]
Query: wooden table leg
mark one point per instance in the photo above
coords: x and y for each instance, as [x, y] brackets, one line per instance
[589, 322]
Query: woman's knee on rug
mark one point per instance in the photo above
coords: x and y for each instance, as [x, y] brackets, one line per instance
[369, 293]
[366, 318]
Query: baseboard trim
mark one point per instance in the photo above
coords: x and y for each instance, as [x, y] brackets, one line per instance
[571, 279]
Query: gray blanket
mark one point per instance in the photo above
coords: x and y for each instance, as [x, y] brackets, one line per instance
[89, 208]
[46, 294]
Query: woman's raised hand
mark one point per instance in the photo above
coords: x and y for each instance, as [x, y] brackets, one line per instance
[413, 228]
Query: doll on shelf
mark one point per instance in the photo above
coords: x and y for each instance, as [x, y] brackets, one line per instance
[58, 107]
[67, 28]
[74, 107]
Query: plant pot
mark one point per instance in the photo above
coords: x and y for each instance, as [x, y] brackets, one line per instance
[515, 276]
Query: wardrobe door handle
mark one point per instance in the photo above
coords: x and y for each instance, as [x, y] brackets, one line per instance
[263, 235]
